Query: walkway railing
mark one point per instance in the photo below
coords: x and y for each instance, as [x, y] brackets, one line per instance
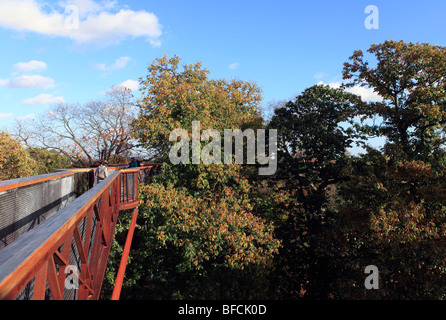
[65, 257]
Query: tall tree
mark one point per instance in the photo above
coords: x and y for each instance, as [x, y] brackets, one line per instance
[411, 79]
[85, 133]
[201, 234]
[313, 137]
[172, 99]
[391, 212]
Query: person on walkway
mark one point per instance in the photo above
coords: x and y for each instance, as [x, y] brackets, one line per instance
[133, 163]
[102, 171]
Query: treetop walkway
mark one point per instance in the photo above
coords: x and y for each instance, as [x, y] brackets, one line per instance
[56, 232]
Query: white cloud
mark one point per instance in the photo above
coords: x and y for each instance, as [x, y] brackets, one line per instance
[113, 28]
[366, 94]
[120, 63]
[27, 117]
[130, 84]
[28, 81]
[95, 23]
[30, 66]
[5, 115]
[43, 99]
[155, 43]
[86, 7]
[319, 75]
[234, 66]
[21, 78]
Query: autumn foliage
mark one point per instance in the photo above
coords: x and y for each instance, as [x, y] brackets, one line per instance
[210, 229]
[15, 161]
[221, 231]
[173, 98]
[202, 225]
[310, 230]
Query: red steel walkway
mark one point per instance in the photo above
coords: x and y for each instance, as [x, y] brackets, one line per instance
[65, 257]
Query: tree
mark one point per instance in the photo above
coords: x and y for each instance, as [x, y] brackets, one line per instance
[391, 215]
[172, 99]
[85, 133]
[391, 211]
[313, 137]
[49, 160]
[411, 79]
[15, 162]
[201, 233]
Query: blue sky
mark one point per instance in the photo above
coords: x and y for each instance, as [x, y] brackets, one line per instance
[284, 46]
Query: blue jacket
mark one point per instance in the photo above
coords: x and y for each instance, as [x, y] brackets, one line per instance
[133, 164]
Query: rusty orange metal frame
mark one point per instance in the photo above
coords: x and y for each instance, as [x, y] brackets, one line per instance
[43, 253]
[18, 183]
[37, 252]
[124, 258]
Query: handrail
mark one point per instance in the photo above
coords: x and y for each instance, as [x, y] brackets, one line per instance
[79, 234]
[36, 252]
[23, 182]
[6, 185]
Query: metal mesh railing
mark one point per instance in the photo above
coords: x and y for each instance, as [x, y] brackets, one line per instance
[72, 245]
[25, 203]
